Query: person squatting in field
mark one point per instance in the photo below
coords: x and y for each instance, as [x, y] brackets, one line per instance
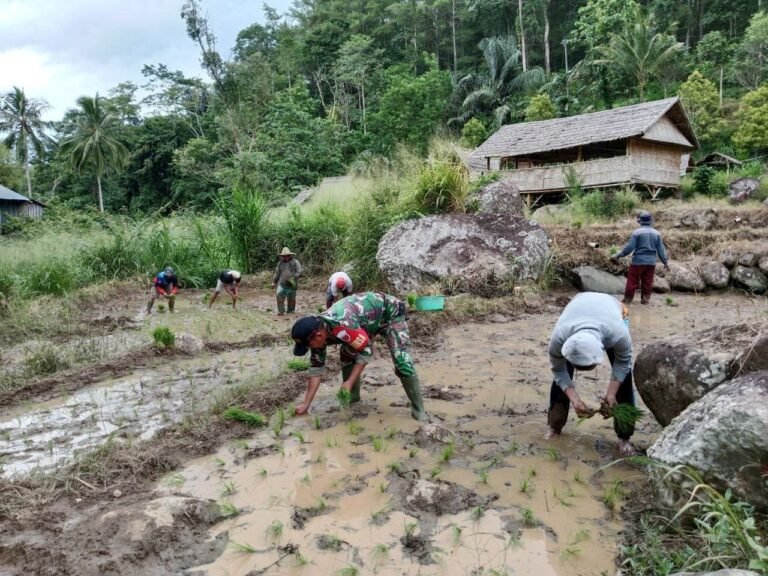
[286, 280]
[353, 322]
[229, 280]
[165, 285]
[339, 286]
[591, 325]
[645, 245]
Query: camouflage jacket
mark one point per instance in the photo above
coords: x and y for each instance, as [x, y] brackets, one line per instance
[353, 322]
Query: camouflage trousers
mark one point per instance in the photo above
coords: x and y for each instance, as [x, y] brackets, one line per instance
[398, 341]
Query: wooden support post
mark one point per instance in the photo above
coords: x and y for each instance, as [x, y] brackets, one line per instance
[488, 162]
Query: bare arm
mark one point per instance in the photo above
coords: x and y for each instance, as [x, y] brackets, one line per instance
[313, 384]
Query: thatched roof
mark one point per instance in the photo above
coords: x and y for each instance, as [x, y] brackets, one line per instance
[718, 158]
[563, 133]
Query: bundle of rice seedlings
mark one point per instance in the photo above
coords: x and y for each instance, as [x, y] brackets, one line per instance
[240, 415]
[344, 397]
[624, 414]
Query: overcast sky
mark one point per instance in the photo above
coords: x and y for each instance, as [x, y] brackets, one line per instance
[62, 49]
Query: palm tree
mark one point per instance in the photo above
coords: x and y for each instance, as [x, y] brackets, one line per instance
[96, 142]
[21, 118]
[639, 51]
[491, 92]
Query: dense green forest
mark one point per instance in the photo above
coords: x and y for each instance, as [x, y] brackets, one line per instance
[338, 85]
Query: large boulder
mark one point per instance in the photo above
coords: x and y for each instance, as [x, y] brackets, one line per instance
[673, 373]
[763, 265]
[750, 278]
[421, 251]
[696, 218]
[742, 189]
[714, 274]
[502, 196]
[683, 278]
[722, 435]
[748, 259]
[660, 285]
[590, 279]
[728, 259]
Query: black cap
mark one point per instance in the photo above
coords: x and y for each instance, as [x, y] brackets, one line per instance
[302, 331]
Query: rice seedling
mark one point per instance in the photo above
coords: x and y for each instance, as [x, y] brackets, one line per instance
[383, 486]
[512, 448]
[528, 518]
[176, 480]
[263, 472]
[578, 479]
[482, 475]
[561, 498]
[331, 442]
[410, 529]
[412, 452]
[320, 504]
[298, 364]
[229, 488]
[245, 548]
[456, 532]
[396, 467]
[344, 397]
[379, 553]
[669, 301]
[391, 432]
[613, 494]
[526, 485]
[532, 472]
[275, 530]
[299, 435]
[354, 427]
[436, 472]
[220, 462]
[306, 479]
[476, 513]
[228, 510]
[447, 452]
[349, 570]
[378, 515]
[240, 415]
[318, 424]
[378, 444]
[553, 454]
[301, 560]
[163, 337]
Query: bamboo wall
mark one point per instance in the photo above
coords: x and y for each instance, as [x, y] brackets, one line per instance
[656, 164]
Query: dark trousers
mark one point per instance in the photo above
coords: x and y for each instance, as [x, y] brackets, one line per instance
[639, 275]
[329, 299]
[559, 404]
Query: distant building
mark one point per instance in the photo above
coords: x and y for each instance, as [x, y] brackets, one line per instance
[13, 204]
[718, 160]
[645, 144]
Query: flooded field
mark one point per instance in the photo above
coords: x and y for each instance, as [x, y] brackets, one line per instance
[362, 490]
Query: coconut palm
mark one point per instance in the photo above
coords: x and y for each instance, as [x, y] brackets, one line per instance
[96, 142]
[639, 51]
[491, 92]
[20, 118]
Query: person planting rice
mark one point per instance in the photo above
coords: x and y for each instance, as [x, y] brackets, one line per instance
[229, 280]
[339, 286]
[165, 285]
[591, 325]
[286, 280]
[352, 322]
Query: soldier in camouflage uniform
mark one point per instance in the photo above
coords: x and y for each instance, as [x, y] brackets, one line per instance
[353, 322]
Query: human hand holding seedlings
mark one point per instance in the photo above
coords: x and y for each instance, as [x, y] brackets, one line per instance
[610, 396]
[312, 385]
[582, 410]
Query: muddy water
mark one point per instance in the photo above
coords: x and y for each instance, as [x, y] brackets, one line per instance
[40, 436]
[352, 488]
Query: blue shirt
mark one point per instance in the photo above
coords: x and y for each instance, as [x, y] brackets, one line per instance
[644, 245]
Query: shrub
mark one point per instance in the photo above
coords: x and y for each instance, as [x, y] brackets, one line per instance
[245, 214]
[44, 360]
[473, 133]
[711, 182]
[55, 276]
[607, 204]
[164, 337]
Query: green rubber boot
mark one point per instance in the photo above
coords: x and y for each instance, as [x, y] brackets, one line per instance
[412, 389]
[346, 370]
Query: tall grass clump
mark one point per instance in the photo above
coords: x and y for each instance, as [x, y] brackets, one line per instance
[245, 217]
[440, 188]
[604, 204]
[164, 337]
[55, 276]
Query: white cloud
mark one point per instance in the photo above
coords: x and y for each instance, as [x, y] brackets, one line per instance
[62, 49]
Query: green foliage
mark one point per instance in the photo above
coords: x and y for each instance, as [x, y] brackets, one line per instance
[44, 360]
[473, 133]
[240, 415]
[606, 204]
[344, 397]
[706, 182]
[164, 337]
[752, 132]
[298, 364]
[245, 213]
[700, 98]
[752, 53]
[540, 108]
[441, 188]
[599, 20]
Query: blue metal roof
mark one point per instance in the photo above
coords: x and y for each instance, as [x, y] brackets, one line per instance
[8, 194]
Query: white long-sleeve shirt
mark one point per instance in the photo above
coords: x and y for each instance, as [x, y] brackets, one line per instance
[603, 316]
[333, 289]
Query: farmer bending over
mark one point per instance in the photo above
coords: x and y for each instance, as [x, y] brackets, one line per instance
[591, 324]
[286, 280]
[644, 245]
[353, 322]
[165, 286]
[339, 286]
[229, 280]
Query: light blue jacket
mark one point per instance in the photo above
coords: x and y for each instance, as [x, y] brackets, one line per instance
[603, 315]
[644, 245]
